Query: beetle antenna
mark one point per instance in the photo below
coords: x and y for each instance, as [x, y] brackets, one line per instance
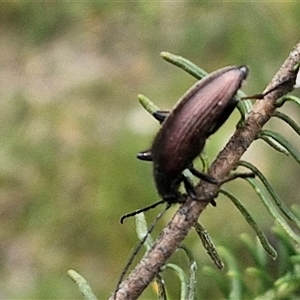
[261, 96]
[140, 210]
[138, 247]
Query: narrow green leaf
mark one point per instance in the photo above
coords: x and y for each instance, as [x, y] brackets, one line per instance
[204, 161]
[149, 106]
[295, 259]
[254, 250]
[184, 64]
[261, 255]
[287, 284]
[141, 228]
[271, 142]
[274, 213]
[83, 286]
[263, 239]
[192, 282]
[261, 274]
[209, 245]
[288, 120]
[264, 280]
[162, 294]
[189, 254]
[244, 107]
[281, 140]
[270, 294]
[282, 100]
[237, 285]
[218, 278]
[271, 191]
[261, 269]
[251, 247]
[287, 243]
[182, 278]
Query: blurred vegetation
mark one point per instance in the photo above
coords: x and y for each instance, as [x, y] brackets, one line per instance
[71, 126]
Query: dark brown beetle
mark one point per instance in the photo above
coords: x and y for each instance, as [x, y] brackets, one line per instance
[198, 114]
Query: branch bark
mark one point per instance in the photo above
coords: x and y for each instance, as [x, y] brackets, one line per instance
[189, 212]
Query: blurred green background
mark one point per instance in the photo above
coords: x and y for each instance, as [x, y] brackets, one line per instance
[71, 127]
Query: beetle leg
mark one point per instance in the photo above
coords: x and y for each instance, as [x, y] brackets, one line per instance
[191, 190]
[238, 175]
[145, 155]
[213, 202]
[136, 212]
[160, 115]
[189, 187]
[203, 176]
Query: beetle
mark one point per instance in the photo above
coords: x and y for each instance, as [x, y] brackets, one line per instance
[199, 113]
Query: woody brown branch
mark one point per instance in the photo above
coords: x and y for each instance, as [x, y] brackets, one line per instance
[189, 212]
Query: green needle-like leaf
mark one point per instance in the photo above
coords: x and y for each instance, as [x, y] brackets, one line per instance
[274, 213]
[287, 284]
[204, 160]
[162, 294]
[271, 191]
[209, 245]
[215, 275]
[281, 140]
[286, 242]
[254, 249]
[83, 286]
[149, 106]
[295, 259]
[251, 247]
[184, 64]
[244, 106]
[283, 99]
[191, 280]
[237, 284]
[182, 278]
[261, 270]
[263, 239]
[288, 120]
[261, 274]
[141, 228]
[271, 142]
[188, 253]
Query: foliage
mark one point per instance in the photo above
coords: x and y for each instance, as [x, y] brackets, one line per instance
[280, 145]
[69, 127]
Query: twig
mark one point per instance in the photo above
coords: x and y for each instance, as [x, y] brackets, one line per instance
[190, 211]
